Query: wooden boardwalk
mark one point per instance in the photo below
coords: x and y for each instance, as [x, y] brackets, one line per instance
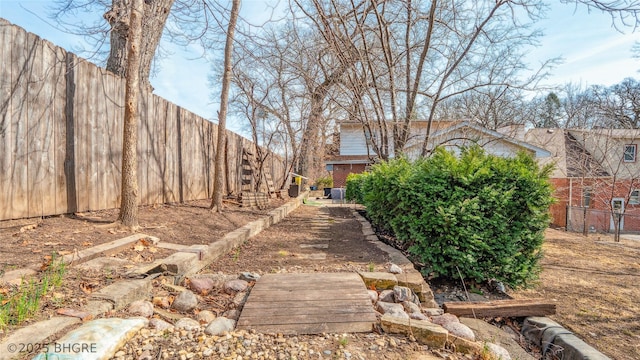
[310, 303]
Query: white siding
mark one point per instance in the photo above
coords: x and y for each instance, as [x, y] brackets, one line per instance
[352, 141]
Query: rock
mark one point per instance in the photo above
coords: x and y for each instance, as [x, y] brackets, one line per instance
[240, 298]
[402, 293]
[373, 295]
[161, 301]
[142, 308]
[159, 324]
[460, 330]
[418, 316]
[146, 355]
[220, 325]
[444, 319]
[234, 286]
[386, 296]
[201, 285]
[489, 333]
[392, 309]
[432, 311]
[205, 316]
[185, 301]
[379, 280]
[424, 332]
[232, 314]
[248, 276]
[498, 351]
[411, 307]
[187, 324]
[395, 269]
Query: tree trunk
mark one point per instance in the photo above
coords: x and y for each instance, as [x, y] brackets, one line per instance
[155, 17]
[129, 196]
[216, 199]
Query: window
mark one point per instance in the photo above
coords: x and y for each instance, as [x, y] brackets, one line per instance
[586, 197]
[630, 153]
[634, 197]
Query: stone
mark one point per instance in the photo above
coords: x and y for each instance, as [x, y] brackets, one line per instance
[205, 316]
[220, 325]
[498, 351]
[373, 295]
[425, 332]
[159, 324]
[235, 286]
[402, 293]
[98, 307]
[142, 308]
[123, 293]
[249, 276]
[35, 333]
[379, 280]
[201, 285]
[387, 296]
[161, 301]
[185, 301]
[460, 330]
[14, 277]
[444, 319]
[395, 269]
[187, 324]
[82, 315]
[432, 311]
[489, 333]
[392, 309]
[100, 339]
[232, 314]
[411, 307]
[418, 316]
[240, 298]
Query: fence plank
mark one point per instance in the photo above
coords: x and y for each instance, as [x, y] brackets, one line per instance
[59, 120]
[20, 53]
[6, 144]
[61, 136]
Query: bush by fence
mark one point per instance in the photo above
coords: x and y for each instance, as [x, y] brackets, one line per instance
[478, 214]
[61, 137]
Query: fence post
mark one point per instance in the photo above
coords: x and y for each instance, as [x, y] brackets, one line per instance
[585, 227]
[566, 218]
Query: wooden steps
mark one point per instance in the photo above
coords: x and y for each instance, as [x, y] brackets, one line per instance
[308, 303]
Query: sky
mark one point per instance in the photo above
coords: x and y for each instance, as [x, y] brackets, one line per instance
[594, 52]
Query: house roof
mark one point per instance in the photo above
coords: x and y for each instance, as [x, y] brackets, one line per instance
[569, 154]
[539, 151]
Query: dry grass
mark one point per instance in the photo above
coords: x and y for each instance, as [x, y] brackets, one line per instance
[596, 285]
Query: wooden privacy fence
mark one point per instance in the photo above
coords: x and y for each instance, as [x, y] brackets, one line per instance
[61, 137]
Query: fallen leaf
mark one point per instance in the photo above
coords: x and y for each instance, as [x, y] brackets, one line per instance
[57, 295]
[4, 302]
[138, 258]
[26, 242]
[111, 231]
[36, 251]
[82, 315]
[87, 288]
[28, 227]
[49, 243]
[153, 250]
[64, 252]
[145, 242]
[138, 247]
[87, 243]
[4, 291]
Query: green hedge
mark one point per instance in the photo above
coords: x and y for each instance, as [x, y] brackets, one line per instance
[482, 214]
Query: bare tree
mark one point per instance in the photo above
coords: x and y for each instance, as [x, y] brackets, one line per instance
[216, 201]
[129, 197]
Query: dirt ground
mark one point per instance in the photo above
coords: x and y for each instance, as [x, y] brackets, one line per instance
[25, 242]
[593, 280]
[595, 284]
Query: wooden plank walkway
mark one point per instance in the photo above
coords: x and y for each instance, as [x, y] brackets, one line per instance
[308, 303]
